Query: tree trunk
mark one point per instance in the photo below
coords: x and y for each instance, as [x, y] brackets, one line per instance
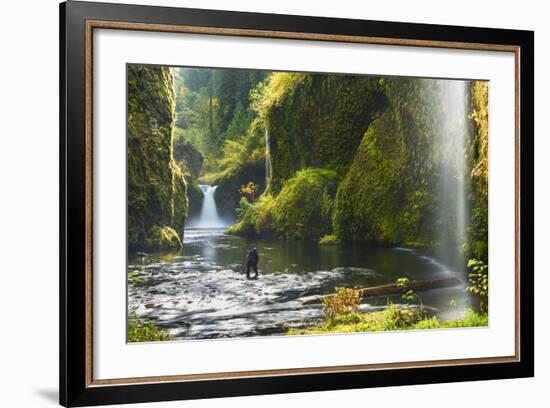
[393, 289]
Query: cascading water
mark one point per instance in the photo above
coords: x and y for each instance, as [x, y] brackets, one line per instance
[453, 133]
[266, 157]
[208, 217]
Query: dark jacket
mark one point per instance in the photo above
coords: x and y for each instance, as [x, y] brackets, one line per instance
[252, 257]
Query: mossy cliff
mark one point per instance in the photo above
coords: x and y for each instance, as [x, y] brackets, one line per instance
[313, 124]
[190, 161]
[157, 191]
[303, 208]
[316, 120]
[476, 244]
[399, 188]
[390, 194]
[372, 160]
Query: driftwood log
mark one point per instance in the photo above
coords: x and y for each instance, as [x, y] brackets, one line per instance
[393, 289]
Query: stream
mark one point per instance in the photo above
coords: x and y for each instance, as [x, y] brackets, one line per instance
[202, 292]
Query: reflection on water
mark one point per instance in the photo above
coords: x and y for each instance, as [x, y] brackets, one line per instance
[203, 292]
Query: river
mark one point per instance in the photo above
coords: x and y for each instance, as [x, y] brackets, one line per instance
[202, 292]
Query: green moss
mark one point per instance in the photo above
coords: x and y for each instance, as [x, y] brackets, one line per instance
[257, 220]
[140, 330]
[477, 241]
[316, 120]
[391, 193]
[392, 318]
[156, 188]
[180, 203]
[303, 208]
[163, 239]
[329, 240]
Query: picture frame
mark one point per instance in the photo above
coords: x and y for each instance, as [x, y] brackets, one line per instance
[79, 21]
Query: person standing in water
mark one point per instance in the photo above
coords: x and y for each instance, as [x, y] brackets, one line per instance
[252, 259]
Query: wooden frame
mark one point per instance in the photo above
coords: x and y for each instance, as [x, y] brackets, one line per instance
[77, 22]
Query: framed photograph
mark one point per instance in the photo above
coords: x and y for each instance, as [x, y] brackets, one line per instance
[256, 204]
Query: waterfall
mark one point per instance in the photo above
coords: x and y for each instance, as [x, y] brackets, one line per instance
[266, 156]
[208, 217]
[453, 133]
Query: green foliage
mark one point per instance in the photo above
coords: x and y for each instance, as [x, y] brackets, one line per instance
[163, 239]
[304, 206]
[344, 301]
[140, 330]
[391, 194]
[397, 318]
[133, 278]
[329, 240]
[257, 219]
[392, 318]
[244, 206]
[408, 294]
[242, 118]
[156, 188]
[478, 277]
[479, 281]
[476, 245]
[213, 105]
[480, 142]
[271, 93]
[315, 120]
[243, 162]
[472, 319]
[302, 209]
[234, 154]
[249, 191]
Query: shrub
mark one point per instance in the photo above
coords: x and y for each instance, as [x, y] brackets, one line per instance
[256, 218]
[344, 301]
[479, 281]
[392, 318]
[408, 294]
[400, 317]
[141, 331]
[303, 208]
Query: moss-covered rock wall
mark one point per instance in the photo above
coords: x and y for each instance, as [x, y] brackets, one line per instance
[157, 191]
[478, 235]
[407, 159]
[390, 194]
[318, 121]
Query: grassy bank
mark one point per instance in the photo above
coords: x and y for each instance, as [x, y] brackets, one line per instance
[143, 331]
[392, 318]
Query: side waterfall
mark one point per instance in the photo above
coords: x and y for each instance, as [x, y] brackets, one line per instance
[453, 131]
[267, 164]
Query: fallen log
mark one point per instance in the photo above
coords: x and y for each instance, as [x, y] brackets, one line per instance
[394, 289]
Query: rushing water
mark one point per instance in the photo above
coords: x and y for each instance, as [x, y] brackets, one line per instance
[208, 217]
[203, 292]
[452, 130]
